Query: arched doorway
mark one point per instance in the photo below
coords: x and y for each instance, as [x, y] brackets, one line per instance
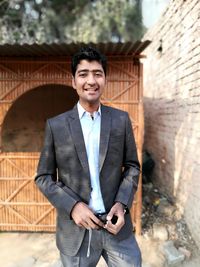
[23, 207]
[23, 126]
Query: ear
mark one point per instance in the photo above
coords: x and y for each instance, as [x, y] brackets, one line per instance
[73, 83]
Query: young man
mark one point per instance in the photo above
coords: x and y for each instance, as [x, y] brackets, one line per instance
[89, 171]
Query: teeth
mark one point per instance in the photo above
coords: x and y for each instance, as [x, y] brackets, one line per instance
[91, 90]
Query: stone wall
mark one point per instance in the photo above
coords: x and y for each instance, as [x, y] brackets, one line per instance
[172, 106]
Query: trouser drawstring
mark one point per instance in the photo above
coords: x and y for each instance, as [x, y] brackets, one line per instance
[89, 242]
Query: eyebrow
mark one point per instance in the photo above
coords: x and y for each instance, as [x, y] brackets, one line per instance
[86, 70]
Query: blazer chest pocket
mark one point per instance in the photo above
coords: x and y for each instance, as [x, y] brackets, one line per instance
[116, 138]
[116, 144]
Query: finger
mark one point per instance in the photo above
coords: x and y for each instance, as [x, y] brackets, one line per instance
[114, 228]
[97, 221]
[110, 227]
[93, 221]
[85, 225]
[120, 220]
[110, 215]
[93, 225]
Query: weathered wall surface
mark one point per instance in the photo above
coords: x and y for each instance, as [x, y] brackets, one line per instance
[172, 106]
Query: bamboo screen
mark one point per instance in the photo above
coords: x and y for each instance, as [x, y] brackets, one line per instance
[22, 206]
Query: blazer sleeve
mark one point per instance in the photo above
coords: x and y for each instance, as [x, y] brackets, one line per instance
[131, 168]
[59, 195]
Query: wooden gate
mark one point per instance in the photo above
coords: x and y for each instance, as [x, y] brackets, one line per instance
[22, 206]
[124, 91]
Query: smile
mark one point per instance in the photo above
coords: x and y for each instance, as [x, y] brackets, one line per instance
[91, 90]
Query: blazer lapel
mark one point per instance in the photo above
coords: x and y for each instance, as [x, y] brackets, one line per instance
[104, 135]
[78, 139]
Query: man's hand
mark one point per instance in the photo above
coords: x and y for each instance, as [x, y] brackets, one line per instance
[118, 211]
[84, 217]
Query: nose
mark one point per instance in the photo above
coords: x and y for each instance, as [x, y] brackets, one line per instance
[91, 79]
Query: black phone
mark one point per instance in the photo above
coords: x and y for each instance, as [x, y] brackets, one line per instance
[102, 217]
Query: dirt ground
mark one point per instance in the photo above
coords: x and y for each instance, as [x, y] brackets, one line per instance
[153, 256]
[163, 222]
[36, 249]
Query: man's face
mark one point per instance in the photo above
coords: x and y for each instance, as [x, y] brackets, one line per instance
[89, 82]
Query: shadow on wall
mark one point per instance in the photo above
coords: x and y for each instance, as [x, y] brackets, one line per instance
[171, 137]
[23, 127]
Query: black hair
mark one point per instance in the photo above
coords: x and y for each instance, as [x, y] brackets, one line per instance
[88, 53]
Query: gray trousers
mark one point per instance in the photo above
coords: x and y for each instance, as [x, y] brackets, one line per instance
[125, 253]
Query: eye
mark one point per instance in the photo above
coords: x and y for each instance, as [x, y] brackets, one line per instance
[98, 74]
[83, 74]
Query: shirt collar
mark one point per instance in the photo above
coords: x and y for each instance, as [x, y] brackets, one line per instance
[81, 110]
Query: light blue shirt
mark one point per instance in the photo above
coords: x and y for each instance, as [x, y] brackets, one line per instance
[91, 133]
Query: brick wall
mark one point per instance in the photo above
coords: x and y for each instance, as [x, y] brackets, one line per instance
[172, 106]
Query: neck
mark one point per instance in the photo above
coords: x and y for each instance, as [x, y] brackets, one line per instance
[90, 107]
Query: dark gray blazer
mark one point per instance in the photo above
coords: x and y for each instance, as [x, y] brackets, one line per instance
[63, 171]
